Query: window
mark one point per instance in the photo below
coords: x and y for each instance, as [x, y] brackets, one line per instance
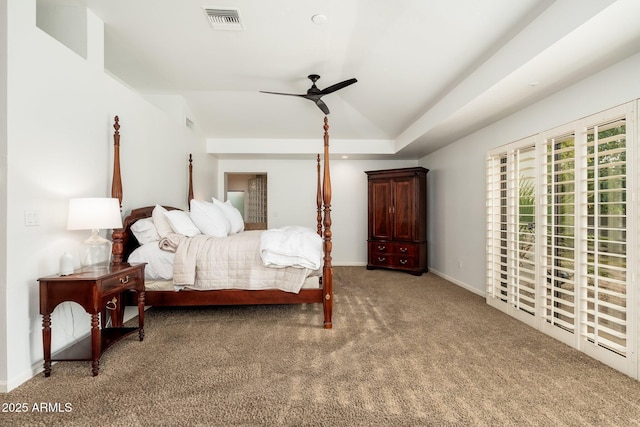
[560, 232]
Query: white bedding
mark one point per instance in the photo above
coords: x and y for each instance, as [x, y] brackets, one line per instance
[291, 246]
[204, 262]
[232, 262]
[159, 263]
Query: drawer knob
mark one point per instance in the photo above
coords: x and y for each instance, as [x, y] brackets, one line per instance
[382, 248]
[404, 250]
[124, 280]
[403, 261]
[381, 259]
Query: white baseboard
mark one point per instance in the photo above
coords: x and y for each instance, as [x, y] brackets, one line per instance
[459, 283]
[7, 386]
[349, 264]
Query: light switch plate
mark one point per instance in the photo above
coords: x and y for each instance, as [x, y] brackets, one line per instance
[31, 218]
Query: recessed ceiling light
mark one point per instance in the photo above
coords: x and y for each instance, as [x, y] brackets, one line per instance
[319, 19]
[344, 157]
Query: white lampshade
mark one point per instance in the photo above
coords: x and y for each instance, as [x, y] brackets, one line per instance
[94, 214]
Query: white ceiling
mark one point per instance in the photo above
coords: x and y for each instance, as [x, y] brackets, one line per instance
[429, 71]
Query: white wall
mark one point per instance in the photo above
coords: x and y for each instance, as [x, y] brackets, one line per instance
[456, 188]
[60, 111]
[67, 22]
[291, 200]
[3, 184]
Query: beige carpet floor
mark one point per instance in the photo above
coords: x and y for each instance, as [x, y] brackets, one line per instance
[404, 351]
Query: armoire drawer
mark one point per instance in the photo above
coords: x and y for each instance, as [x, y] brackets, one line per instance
[393, 248]
[392, 261]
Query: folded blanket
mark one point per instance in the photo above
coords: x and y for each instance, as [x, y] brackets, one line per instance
[170, 242]
[291, 246]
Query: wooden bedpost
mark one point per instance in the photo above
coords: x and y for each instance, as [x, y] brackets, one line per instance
[116, 183]
[327, 269]
[117, 236]
[190, 196]
[319, 201]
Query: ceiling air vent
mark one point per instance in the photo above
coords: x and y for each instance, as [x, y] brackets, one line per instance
[224, 19]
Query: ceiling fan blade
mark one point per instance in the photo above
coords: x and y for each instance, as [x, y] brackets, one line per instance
[337, 86]
[322, 106]
[280, 93]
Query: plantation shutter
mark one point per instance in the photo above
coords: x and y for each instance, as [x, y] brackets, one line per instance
[511, 239]
[525, 282]
[606, 250]
[562, 225]
[559, 206]
[497, 202]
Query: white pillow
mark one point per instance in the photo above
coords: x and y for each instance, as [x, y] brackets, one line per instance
[233, 215]
[209, 219]
[159, 263]
[163, 226]
[145, 231]
[181, 223]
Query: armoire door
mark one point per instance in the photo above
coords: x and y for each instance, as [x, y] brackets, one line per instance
[380, 211]
[403, 209]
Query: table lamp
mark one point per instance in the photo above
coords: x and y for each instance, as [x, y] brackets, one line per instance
[94, 214]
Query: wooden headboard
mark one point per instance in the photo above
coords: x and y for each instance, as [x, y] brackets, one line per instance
[124, 242]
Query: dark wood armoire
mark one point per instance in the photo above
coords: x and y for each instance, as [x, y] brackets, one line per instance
[397, 226]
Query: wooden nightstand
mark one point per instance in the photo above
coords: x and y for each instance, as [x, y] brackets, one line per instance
[94, 291]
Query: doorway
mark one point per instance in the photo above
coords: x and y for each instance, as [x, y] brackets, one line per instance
[247, 191]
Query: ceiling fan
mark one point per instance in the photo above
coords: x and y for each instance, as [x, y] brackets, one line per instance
[314, 94]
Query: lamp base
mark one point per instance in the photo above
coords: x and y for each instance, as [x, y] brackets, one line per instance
[95, 253]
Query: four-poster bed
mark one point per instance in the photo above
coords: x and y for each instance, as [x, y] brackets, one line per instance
[124, 243]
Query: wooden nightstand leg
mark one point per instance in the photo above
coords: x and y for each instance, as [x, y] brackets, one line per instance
[46, 343]
[117, 313]
[95, 344]
[141, 315]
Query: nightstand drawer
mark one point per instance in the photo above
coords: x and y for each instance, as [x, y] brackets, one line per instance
[129, 279]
